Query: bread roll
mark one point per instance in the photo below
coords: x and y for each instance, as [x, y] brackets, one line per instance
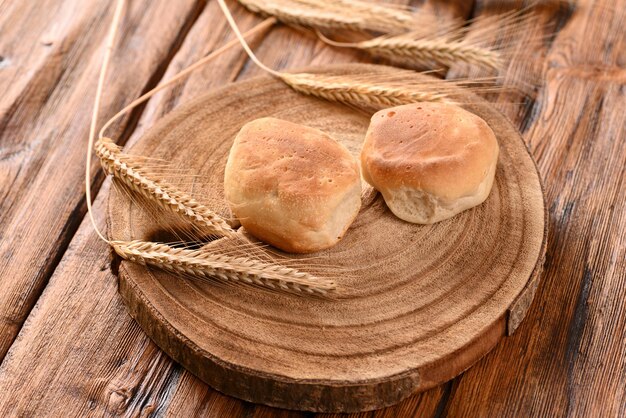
[430, 161]
[292, 186]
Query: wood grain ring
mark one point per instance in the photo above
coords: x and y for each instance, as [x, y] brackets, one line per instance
[421, 305]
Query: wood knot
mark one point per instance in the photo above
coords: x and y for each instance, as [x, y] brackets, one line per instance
[118, 399]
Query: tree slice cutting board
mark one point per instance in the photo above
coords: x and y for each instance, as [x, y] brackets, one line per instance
[420, 303]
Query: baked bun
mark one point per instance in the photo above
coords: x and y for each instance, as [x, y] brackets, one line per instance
[430, 161]
[292, 186]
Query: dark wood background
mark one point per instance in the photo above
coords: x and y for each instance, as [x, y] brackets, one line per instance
[69, 348]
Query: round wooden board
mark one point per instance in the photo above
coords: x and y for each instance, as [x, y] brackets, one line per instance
[421, 304]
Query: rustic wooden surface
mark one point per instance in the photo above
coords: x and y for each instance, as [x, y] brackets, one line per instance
[422, 303]
[69, 348]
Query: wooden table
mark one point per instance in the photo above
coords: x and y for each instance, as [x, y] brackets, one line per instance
[69, 348]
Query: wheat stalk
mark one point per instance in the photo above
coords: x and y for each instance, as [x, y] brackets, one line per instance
[226, 269]
[362, 16]
[336, 14]
[128, 170]
[437, 50]
[367, 91]
[453, 43]
[402, 41]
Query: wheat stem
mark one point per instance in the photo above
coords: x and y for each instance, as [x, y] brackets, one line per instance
[129, 171]
[226, 269]
[117, 15]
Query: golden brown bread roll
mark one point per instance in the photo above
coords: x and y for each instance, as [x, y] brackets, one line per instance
[430, 161]
[292, 186]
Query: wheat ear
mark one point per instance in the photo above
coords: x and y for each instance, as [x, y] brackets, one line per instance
[336, 14]
[226, 269]
[437, 50]
[128, 170]
[364, 91]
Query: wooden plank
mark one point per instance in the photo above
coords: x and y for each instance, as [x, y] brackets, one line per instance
[568, 356]
[101, 363]
[51, 54]
[82, 294]
[120, 371]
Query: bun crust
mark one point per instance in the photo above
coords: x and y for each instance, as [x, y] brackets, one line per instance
[292, 186]
[430, 161]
